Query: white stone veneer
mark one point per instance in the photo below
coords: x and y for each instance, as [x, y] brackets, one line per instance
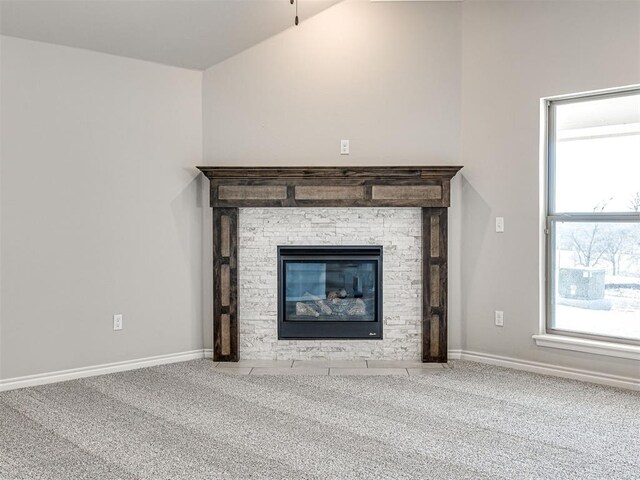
[398, 230]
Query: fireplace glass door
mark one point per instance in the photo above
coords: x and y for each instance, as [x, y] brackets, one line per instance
[330, 292]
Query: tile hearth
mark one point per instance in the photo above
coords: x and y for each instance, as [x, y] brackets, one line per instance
[330, 367]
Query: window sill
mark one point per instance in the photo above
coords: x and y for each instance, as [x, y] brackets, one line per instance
[595, 347]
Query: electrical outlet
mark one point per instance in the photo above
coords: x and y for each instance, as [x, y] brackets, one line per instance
[499, 318]
[117, 321]
[500, 224]
[344, 147]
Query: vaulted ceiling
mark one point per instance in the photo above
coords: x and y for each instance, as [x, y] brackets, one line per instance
[186, 33]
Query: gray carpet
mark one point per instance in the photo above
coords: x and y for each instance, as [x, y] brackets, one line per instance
[184, 421]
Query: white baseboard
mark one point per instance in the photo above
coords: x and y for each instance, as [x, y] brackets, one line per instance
[535, 367]
[547, 369]
[71, 374]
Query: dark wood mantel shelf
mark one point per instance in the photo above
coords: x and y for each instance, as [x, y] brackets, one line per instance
[417, 171]
[422, 186]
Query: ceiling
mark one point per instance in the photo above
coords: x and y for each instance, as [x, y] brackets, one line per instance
[186, 33]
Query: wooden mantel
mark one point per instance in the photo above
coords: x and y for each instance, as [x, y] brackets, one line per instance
[422, 186]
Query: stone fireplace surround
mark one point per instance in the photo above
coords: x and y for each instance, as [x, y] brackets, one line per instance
[233, 188]
[397, 230]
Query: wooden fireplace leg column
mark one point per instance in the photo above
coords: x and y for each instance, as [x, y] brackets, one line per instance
[434, 284]
[225, 285]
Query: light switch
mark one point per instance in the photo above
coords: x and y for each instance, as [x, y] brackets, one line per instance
[344, 147]
[500, 224]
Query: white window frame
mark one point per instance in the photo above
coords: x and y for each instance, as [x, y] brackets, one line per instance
[548, 336]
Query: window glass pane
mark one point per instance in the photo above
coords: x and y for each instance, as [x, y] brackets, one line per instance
[596, 278]
[597, 155]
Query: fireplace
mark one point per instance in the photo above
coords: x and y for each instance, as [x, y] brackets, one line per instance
[328, 292]
[423, 186]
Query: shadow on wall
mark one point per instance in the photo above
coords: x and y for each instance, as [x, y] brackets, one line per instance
[188, 234]
[207, 259]
[189, 197]
[475, 213]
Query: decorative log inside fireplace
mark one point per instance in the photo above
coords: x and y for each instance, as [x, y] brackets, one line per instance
[427, 187]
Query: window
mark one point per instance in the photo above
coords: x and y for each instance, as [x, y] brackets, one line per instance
[593, 216]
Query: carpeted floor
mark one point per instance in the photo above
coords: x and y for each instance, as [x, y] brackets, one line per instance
[185, 421]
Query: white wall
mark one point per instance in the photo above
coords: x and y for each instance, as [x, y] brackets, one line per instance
[435, 83]
[514, 53]
[386, 76]
[100, 208]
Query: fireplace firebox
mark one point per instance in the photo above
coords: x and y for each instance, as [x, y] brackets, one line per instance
[330, 292]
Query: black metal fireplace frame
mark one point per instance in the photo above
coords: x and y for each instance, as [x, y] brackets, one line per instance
[310, 330]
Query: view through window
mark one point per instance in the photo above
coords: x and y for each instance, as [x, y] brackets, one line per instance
[593, 221]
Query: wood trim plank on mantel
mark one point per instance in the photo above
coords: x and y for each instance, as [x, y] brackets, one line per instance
[225, 284]
[434, 285]
[233, 187]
